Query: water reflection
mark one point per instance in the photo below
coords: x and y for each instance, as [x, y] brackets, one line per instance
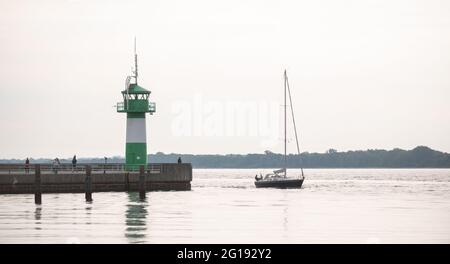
[285, 203]
[37, 217]
[136, 217]
[88, 209]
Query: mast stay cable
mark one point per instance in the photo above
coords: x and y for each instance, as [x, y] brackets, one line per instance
[293, 120]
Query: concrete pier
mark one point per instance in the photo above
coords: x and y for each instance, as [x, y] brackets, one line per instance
[105, 178]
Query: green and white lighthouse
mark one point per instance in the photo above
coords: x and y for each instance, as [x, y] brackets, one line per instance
[135, 103]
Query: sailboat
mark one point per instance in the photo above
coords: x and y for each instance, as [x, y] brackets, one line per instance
[279, 178]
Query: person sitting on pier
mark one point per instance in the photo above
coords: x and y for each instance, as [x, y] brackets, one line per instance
[74, 162]
[27, 165]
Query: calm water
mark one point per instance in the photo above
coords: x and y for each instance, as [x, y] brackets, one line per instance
[333, 206]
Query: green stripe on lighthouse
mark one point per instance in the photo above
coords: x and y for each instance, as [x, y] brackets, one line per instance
[135, 155]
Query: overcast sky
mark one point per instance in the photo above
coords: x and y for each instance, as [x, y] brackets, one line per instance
[364, 74]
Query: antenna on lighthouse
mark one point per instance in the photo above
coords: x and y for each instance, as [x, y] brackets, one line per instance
[135, 62]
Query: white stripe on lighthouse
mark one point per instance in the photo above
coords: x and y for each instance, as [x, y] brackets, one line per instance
[136, 130]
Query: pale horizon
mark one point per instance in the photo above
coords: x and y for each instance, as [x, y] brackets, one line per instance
[364, 75]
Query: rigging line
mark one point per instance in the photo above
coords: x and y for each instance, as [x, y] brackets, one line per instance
[285, 147]
[295, 127]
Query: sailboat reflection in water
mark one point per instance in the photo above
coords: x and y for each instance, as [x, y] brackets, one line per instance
[279, 178]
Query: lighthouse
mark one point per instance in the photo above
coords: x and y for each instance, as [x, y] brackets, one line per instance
[135, 104]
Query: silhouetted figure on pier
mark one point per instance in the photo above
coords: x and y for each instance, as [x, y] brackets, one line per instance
[74, 162]
[56, 165]
[27, 165]
[179, 160]
[104, 166]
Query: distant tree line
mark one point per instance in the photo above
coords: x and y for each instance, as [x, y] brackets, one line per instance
[419, 157]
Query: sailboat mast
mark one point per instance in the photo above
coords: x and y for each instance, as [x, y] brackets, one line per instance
[285, 147]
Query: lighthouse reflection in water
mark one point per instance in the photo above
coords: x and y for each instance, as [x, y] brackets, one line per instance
[136, 217]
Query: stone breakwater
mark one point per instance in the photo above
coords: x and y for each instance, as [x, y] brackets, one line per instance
[15, 178]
